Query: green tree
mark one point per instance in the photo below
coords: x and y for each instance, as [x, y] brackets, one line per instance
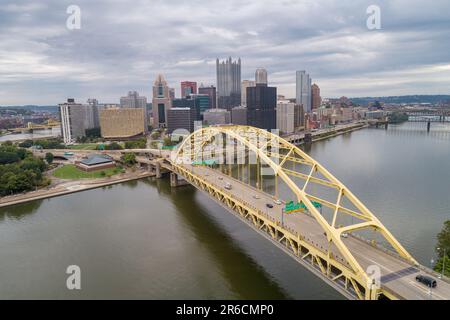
[49, 157]
[155, 135]
[8, 157]
[129, 159]
[443, 238]
[114, 146]
[26, 144]
[443, 246]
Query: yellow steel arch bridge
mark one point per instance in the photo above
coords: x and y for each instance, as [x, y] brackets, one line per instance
[323, 224]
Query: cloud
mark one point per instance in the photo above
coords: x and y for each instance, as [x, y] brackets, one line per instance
[123, 45]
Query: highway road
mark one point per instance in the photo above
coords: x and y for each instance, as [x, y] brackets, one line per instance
[397, 275]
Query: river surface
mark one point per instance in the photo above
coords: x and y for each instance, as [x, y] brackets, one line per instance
[144, 240]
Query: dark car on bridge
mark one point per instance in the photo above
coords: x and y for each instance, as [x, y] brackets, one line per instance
[428, 281]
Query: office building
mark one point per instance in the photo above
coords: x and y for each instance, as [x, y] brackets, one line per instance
[261, 106]
[217, 117]
[187, 88]
[315, 96]
[201, 102]
[161, 102]
[95, 107]
[261, 76]
[172, 93]
[211, 92]
[133, 100]
[122, 123]
[75, 119]
[289, 117]
[246, 84]
[198, 102]
[180, 118]
[303, 90]
[239, 116]
[228, 83]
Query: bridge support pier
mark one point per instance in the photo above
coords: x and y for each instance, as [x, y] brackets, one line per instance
[158, 171]
[175, 181]
[308, 138]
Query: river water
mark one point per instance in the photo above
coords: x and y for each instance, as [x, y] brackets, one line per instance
[143, 239]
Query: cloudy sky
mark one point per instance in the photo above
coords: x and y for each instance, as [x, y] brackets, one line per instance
[123, 44]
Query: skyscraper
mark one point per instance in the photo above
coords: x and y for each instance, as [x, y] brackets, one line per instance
[228, 83]
[133, 100]
[289, 117]
[261, 76]
[172, 93]
[316, 100]
[261, 106]
[161, 102]
[75, 119]
[180, 118]
[303, 90]
[244, 86]
[187, 88]
[211, 92]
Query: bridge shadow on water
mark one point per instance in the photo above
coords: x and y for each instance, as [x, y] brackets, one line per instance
[245, 277]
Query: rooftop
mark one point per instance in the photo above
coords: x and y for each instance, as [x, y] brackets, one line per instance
[96, 159]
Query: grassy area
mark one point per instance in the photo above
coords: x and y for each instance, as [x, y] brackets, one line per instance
[83, 146]
[70, 171]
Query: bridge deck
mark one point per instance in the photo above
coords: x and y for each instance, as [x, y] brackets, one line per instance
[397, 276]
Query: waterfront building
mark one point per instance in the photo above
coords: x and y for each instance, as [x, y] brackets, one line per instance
[181, 118]
[239, 116]
[303, 90]
[246, 84]
[379, 114]
[187, 88]
[161, 102]
[211, 92]
[75, 118]
[95, 162]
[261, 106]
[217, 117]
[228, 83]
[315, 96]
[290, 117]
[122, 123]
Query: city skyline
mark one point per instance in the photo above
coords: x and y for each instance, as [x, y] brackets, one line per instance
[43, 62]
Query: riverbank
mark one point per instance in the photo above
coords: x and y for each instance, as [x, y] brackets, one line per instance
[72, 186]
[335, 133]
[322, 134]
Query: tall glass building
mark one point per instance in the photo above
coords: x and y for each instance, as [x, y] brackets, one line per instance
[228, 83]
[303, 90]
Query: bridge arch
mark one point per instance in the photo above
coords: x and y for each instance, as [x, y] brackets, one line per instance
[274, 152]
